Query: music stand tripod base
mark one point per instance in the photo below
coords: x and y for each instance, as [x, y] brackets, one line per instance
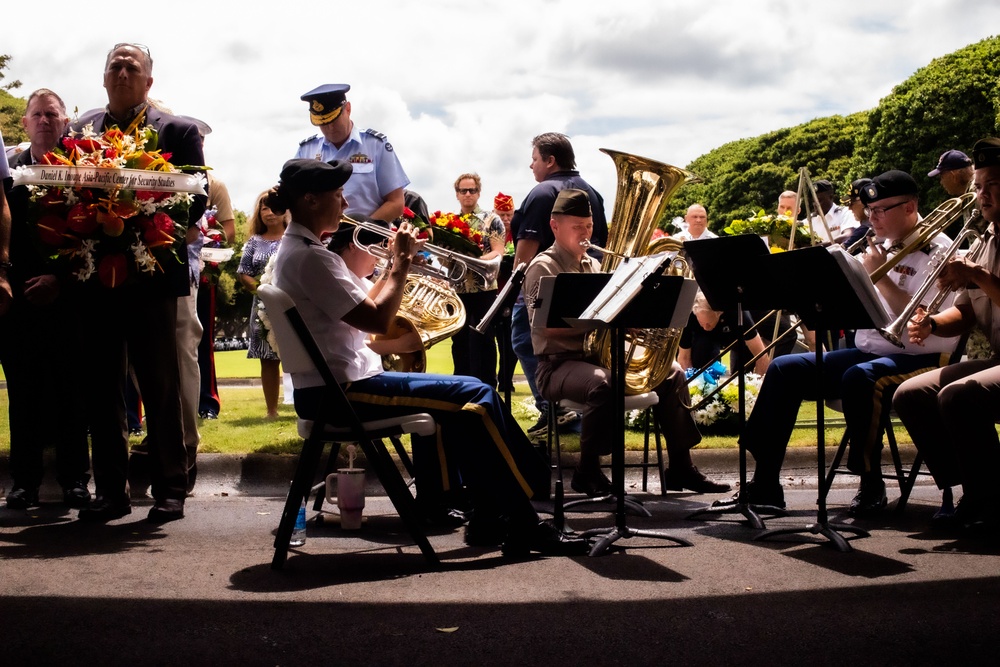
[636, 507]
[750, 513]
[830, 531]
[612, 535]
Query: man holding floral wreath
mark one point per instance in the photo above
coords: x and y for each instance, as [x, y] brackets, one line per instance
[139, 317]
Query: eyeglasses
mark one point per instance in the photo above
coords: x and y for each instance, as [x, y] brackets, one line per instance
[879, 212]
[466, 191]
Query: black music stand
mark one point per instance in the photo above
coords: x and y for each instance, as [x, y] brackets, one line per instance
[729, 271]
[830, 300]
[652, 301]
[503, 305]
[559, 299]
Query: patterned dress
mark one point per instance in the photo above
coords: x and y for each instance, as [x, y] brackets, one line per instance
[256, 252]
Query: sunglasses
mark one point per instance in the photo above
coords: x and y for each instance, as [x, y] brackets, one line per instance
[466, 191]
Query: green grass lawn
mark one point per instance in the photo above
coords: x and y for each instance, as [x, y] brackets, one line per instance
[242, 427]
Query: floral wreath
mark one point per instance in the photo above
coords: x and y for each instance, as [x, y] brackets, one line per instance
[110, 205]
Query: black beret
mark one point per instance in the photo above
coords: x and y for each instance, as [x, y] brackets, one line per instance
[572, 202]
[893, 183]
[855, 192]
[326, 102]
[986, 152]
[823, 185]
[301, 176]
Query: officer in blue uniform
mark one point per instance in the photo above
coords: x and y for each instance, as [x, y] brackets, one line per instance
[377, 182]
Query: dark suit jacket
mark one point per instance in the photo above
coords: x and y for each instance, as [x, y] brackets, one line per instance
[181, 139]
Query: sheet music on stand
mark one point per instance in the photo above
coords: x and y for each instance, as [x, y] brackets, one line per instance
[861, 283]
[626, 281]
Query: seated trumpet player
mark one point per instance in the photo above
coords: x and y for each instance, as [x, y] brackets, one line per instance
[951, 412]
[497, 463]
[861, 377]
[564, 372]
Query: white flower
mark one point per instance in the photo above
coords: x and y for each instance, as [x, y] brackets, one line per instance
[143, 259]
[86, 251]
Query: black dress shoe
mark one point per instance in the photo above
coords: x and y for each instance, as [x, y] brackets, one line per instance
[545, 539]
[76, 495]
[166, 509]
[759, 496]
[485, 530]
[102, 510]
[22, 499]
[692, 479]
[870, 499]
[593, 484]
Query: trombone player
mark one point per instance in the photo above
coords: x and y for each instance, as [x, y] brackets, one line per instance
[861, 377]
[565, 372]
[951, 412]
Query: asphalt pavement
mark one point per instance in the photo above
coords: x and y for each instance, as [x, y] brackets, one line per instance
[201, 591]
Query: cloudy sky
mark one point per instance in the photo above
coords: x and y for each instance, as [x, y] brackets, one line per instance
[463, 86]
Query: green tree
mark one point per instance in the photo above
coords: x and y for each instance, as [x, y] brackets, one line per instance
[951, 103]
[232, 301]
[11, 108]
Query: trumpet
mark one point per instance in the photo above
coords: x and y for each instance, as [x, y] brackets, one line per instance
[454, 265]
[894, 332]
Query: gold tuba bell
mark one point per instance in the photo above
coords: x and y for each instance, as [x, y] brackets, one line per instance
[644, 188]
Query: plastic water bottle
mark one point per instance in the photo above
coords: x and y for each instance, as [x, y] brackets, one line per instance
[299, 531]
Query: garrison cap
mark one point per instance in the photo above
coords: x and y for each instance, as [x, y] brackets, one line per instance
[572, 202]
[986, 152]
[950, 160]
[893, 183]
[326, 102]
[503, 202]
[301, 176]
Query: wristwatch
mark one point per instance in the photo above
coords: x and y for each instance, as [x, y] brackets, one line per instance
[933, 324]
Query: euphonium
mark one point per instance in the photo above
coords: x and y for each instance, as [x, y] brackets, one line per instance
[431, 309]
[644, 189]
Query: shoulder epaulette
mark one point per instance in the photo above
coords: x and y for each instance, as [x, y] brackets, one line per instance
[376, 134]
[308, 139]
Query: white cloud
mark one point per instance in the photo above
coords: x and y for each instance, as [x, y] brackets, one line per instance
[460, 87]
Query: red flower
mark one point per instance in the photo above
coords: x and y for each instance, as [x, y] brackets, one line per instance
[82, 219]
[408, 214]
[51, 229]
[157, 231]
[111, 270]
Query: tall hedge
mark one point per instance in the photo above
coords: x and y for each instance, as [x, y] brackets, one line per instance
[950, 103]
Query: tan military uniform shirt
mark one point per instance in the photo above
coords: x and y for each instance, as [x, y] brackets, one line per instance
[553, 261]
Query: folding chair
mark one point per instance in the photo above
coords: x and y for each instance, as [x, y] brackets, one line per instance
[338, 423]
[904, 478]
[643, 402]
[638, 402]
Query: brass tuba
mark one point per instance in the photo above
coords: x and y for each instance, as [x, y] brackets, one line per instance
[644, 188]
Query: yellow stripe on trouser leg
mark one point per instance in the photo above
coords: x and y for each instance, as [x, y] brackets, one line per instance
[446, 406]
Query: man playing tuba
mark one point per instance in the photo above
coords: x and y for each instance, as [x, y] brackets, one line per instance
[564, 372]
